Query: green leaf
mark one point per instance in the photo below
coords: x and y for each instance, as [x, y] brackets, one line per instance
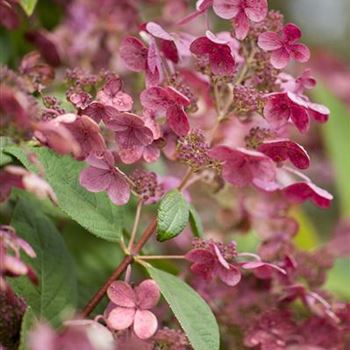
[94, 211]
[336, 136]
[192, 312]
[196, 223]
[28, 6]
[54, 266]
[338, 278]
[4, 158]
[173, 216]
[28, 322]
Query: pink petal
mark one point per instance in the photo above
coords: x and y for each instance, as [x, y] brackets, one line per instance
[121, 294]
[145, 324]
[300, 118]
[199, 255]
[300, 52]
[131, 154]
[104, 162]
[133, 52]
[121, 318]
[98, 111]
[170, 50]
[201, 46]
[177, 96]
[220, 257]
[156, 30]
[318, 112]
[237, 172]
[153, 57]
[226, 9]
[14, 265]
[147, 294]
[281, 150]
[94, 179]
[277, 110]
[264, 174]
[151, 153]
[156, 99]
[221, 61]
[301, 191]
[241, 25]
[177, 120]
[118, 191]
[269, 41]
[291, 32]
[280, 58]
[261, 269]
[231, 277]
[256, 10]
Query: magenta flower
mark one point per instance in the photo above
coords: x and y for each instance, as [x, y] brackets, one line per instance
[112, 95]
[283, 106]
[298, 85]
[241, 11]
[138, 58]
[243, 167]
[131, 135]
[281, 150]
[171, 102]
[301, 191]
[132, 307]
[209, 262]
[172, 45]
[218, 51]
[284, 46]
[101, 175]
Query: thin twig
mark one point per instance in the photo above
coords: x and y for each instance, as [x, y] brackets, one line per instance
[136, 223]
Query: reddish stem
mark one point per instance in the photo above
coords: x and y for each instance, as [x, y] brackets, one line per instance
[128, 259]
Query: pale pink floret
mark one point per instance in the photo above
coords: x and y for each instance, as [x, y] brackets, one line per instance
[218, 51]
[284, 46]
[281, 150]
[242, 11]
[243, 167]
[101, 176]
[131, 307]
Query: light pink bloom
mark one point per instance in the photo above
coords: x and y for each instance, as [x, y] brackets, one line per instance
[243, 167]
[101, 175]
[112, 95]
[284, 46]
[281, 150]
[210, 262]
[241, 11]
[11, 264]
[131, 135]
[32, 183]
[298, 85]
[131, 307]
[302, 191]
[284, 106]
[220, 53]
[170, 102]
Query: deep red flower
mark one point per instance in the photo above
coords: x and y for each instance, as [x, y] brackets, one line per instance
[283, 149]
[241, 11]
[284, 46]
[219, 52]
[301, 191]
[101, 175]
